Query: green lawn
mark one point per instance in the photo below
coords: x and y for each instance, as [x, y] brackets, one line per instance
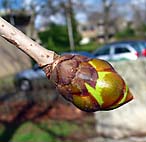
[53, 131]
[29, 132]
[7, 84]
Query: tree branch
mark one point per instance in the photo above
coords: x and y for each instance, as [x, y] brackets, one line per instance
[41, 55]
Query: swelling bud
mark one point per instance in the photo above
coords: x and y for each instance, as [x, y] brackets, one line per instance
[90, 84]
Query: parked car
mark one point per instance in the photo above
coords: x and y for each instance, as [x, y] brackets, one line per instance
[123, 50]
[30, 78]
[141, 44]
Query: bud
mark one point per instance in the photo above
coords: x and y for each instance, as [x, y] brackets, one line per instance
[90, 84]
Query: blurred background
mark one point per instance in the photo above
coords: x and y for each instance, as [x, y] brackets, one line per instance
[113, 30]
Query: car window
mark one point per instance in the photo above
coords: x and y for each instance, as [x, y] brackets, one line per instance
[144, 44]
[119, 50]
[103, 51]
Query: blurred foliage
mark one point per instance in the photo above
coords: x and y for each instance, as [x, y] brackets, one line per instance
[143, 27]
[32, 134]
[59, 128]
[130, 33]
[54, 130]
[7, 84]
[127, 33]
[76, 36]
[141, 31]
[55, 38]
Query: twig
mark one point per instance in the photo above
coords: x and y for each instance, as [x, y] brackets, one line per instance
[41, 55]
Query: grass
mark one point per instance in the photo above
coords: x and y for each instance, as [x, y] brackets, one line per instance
[29, 132]
[60, 128]
[2, 128]
[6, 84]
[53, 131]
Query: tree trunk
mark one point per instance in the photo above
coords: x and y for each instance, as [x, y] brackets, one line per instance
[69, 25]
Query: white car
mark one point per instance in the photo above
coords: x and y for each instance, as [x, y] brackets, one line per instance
[121, 51]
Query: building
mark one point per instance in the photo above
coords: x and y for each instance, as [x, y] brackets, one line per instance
[95, 31]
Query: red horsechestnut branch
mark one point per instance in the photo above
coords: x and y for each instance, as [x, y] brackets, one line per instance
[90, 84]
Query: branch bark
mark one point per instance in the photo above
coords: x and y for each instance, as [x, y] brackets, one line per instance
[41, 55]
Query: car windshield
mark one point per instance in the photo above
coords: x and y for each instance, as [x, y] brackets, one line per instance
[143, 43]
[102, 51]
[137, 46]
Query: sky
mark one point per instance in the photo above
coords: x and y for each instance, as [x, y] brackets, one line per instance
[94, 3]
[81, 17]
[15, 6]
[18, 3]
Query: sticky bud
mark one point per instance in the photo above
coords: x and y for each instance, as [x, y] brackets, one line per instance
[90, 84]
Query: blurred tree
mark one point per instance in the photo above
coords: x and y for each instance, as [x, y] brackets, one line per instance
[7, 5]
[127, 33]
[30, 7]
[55, 38]
[139, 18]
[107, 5]
[69, 19]
[73, 34]
[66, 9]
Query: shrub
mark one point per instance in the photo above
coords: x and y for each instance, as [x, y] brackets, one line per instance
[56, 38]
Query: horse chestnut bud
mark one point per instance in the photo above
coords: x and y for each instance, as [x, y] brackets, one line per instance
[90, 84]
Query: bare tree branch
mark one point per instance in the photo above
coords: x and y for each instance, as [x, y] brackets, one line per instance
[41, 55]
